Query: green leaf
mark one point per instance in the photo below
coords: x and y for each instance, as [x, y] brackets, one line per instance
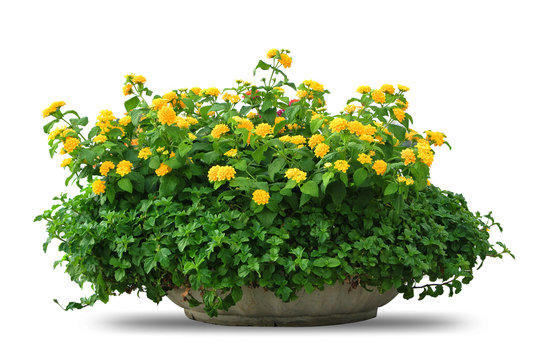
[310, 188]
[266, 217]
[333, 262]
[337, 191]
[168, 185]
[131, 103]
[261, 65]
[258, 155]
[390, 189]
[320, 262]
[154, 162]
[47, 127]
[236, 293]
[125, 184]
[360, 176]
[275, 167]
[136, 116]
[314, 125]
[110, 192]
[398, 131]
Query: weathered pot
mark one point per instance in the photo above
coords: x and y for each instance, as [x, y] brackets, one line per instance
[334, 305]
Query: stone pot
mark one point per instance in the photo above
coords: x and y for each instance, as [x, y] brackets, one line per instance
[334, 305]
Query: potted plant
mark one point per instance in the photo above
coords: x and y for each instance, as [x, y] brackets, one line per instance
[251, 206]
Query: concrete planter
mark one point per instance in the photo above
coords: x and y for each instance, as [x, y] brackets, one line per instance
[334, 305]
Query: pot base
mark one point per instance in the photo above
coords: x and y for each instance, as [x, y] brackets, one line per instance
[239, 320]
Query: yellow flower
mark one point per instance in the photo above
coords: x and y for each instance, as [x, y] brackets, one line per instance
[139, 79]
[192, 136]
[243, 123]
[71, 144]
[379, 166]
[367, 138]
[226, 173]
[301, 93]
[350, 108]
[182, 123]
[98, 187]
[295, 174]
[56, 132]
[124, 167]
[297, 139]
[106, 115]
[166, 115]
[363, 89]
[127, 89]
[403, 105]
[408, 156]
[338, 124]
[315, 140]
[251, 114]
[213, 173]
[406, 180]
[399, 114]
[53, 107]
[212, 91]
[355, 127]
[387, 88]
[163, 170]
[106, 167]
[436, 137]
[170, 96]
[219, 130]
[261, 197]
[341, 165]
[321, 150]
[263, 129]
[231, 97]
[314, 85]
[364, 159]
[271, 53]
[125, 120]
[410, 134]
[66, 162]
[378, 96]
[285, 60]
[402, 87]
[100, 139]
[328, 165]
[196, 90]
[231, 153]
[144, 153]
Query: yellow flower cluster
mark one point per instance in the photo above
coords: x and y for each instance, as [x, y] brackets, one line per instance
[338, 124]
[125, 121]
[406, 180]
[359, 129]
[271, 53]
[106, 167]
[220, 173]
[243, 123]
[196, 90]
[296, 139]
[263, 129]
[219, 130]
[124, 167]
[127, 89]
[285, 60]
[53, 107]
[144, 153]
[71, 144]
[315, 140]
[408, 156]
[350, 108]
[387, 88]
[301, 93]
[436, 137]
[66, 162]
[296, 175]
[363, 89]
[231, 97]
[315, 86]
[341, 165]
[231, 153]
[321, 150]
[57, 131]
[378, 96]
[163, 169]
[139, 79]
[402, 87]
[98, 187]
[212, 91]
[424, 152]
[167, 115]
[261, 197]
[379, 166]
[364, 159]
[399, 114]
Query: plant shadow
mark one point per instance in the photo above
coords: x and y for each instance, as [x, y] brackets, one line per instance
[176, 322]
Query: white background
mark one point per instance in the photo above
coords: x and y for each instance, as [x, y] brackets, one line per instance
[473, 70]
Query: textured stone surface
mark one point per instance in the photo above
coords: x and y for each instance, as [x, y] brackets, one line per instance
[334, 305]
